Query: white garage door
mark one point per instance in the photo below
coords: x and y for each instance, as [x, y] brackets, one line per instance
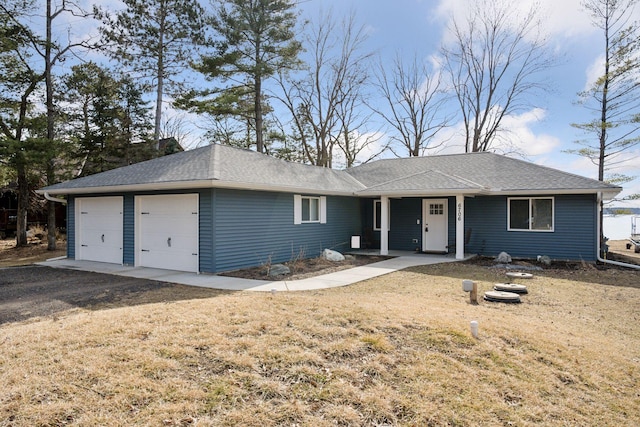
[99, 229]
[167, 232]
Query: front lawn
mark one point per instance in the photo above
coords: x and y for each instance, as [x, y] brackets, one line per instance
[395, 350]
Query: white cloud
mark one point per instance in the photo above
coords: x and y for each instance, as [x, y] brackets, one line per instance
[517, 135]
[565, 18]
[594, 72]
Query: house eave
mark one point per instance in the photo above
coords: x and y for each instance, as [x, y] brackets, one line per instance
[607, 193]
[419, 193]
[192, 185]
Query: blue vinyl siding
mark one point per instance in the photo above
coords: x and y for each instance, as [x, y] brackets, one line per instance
[573, 237]
[239, 228]
[128, 229]
[71, 227]
[404, 226]
[252, 228]
[451, 223]
[206, 234]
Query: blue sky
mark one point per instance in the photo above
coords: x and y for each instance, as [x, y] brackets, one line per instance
[419, 27]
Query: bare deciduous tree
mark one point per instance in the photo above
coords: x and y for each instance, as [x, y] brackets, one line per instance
[322, 103]
[415, 99]
[494, 63]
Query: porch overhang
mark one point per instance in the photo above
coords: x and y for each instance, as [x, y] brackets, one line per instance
[420, 193]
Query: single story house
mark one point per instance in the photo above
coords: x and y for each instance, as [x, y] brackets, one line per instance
[219, 208]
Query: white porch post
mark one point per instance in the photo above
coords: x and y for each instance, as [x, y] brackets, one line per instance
[384, 225]
[459, 226]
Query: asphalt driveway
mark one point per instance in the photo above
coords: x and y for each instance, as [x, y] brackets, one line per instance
[38, 291]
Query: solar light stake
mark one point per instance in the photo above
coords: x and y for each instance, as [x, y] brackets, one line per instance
[472, 287]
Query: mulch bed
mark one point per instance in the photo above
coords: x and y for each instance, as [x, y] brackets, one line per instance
[304, 268]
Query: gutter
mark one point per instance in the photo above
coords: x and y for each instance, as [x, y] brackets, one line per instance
[598, 257]
[53, 199]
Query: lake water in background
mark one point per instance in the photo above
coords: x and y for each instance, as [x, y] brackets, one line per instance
[618, 227]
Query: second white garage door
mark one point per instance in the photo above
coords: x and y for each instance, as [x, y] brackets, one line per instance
[167, 232]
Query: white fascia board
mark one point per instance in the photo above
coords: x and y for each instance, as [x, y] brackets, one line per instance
[185, 185]
[607, 195]
[419, 193]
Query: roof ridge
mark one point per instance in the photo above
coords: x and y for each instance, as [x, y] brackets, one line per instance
[214, 162]
[398, 179]
[461, 179]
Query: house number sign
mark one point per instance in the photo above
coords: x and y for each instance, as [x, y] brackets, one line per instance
[459, 211]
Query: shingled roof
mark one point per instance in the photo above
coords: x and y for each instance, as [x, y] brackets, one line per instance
[222, 166]
[213, 166]
[483, 172]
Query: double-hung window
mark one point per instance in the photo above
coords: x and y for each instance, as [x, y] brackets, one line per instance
[309, 209]
[530, 213]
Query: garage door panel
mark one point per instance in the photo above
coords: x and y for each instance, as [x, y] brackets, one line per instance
[169, 242]
[180, 261]
[106, 238]
[99, 229]
[159, 223]
[99, 222]
[176, 204]
[167, 231]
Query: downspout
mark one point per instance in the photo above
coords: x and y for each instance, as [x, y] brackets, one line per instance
[598, 257]
[54, 199]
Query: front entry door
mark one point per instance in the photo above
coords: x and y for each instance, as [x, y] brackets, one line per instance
[435, 225]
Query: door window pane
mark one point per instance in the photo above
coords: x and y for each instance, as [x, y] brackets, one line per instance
[436, 209]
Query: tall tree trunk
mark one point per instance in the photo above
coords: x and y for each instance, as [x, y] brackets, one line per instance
[603, 124]
[23, 203]
[50, 172]
[160, 78]
[258, 108]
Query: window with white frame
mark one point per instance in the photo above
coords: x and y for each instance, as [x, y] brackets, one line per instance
[309, 209]
[377, 215]
[530, 213]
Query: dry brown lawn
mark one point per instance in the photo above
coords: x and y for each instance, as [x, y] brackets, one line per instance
[35, 251]
[395, 350]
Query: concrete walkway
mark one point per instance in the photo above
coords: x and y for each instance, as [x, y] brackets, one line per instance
[331, 280]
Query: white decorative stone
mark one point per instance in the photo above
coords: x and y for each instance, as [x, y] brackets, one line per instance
[545, 260]
[279, 270]
[330, 255]
[503, 257]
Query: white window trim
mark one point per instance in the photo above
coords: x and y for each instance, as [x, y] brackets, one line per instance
[530, 199]
[297, 209]
[375, 215]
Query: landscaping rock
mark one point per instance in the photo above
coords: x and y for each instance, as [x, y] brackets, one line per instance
[278, 270]
[349, 257]
[503, 258]
[545, 260]
[330, 255]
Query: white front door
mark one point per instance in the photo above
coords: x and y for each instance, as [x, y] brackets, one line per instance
[435, 225]
[99, 229]
[167, 232]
